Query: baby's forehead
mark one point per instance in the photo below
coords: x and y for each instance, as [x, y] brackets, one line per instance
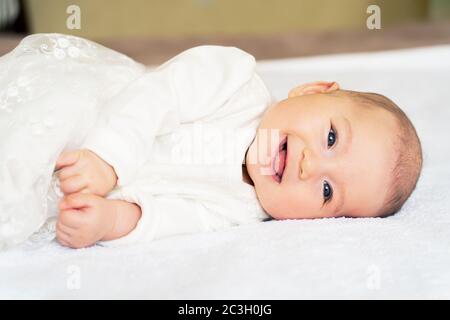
[366, 109]
[365, 102]
[375, 136]
[367, 171]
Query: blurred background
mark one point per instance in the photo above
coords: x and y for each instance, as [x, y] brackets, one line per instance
[152, 31]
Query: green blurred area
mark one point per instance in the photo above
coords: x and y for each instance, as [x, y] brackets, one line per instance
[439, 10]
[165, 18]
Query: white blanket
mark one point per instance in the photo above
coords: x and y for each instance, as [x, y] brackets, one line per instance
[404, 256]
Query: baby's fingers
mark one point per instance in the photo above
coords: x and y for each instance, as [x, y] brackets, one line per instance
[69, 221]
[64, 234]
[65, 230]
[67, 158]
[62, 239]
[78, 201]
[68, 172]
[73, 184]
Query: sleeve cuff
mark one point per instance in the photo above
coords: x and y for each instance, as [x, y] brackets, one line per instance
[111, 147]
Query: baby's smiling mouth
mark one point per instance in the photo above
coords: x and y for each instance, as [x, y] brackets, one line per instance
[279, 162]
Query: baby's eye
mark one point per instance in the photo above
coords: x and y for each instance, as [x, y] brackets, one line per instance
[327, 191]
[331, 138]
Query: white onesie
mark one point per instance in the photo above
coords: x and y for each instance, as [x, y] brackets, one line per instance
[177, 137]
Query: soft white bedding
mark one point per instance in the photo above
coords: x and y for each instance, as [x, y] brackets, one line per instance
[404, 256]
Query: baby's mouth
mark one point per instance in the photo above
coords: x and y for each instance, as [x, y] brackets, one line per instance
[279, 163]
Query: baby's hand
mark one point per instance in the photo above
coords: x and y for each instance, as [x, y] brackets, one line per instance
[83, 171]
[84, 219]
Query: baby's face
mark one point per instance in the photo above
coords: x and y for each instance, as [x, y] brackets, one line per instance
[331, 158]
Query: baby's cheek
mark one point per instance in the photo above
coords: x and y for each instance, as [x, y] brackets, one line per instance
[298, 203]
[278, 203]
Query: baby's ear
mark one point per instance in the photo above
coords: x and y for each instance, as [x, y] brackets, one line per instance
[314, 88]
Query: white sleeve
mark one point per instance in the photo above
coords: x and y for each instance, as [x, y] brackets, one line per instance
[189, 87]
[164, 217]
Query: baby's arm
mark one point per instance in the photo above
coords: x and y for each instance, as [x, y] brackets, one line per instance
[127, 217]
[85, 219]
[192, 86]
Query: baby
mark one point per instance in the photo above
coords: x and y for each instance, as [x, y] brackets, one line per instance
[199, 144]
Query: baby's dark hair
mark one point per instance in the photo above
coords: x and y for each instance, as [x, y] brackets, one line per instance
[408, 161]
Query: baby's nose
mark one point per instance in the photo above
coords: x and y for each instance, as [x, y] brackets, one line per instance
[306, 164]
